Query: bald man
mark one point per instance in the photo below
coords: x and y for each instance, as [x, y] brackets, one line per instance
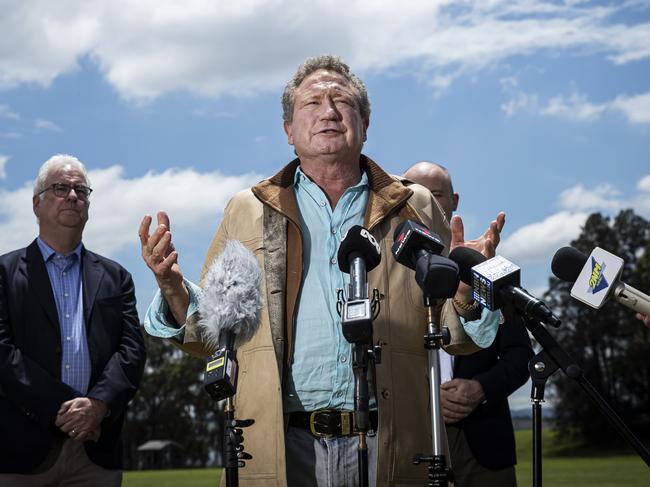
[475, 389]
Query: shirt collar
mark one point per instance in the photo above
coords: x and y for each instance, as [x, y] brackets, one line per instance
[300, 176]
[48, 251]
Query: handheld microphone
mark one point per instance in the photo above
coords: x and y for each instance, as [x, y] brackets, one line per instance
[358, 254]
[597, 278]
[496, 281]
[230, 310]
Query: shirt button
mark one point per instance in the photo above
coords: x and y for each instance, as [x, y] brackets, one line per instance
[339, 394]
[65, 294]
[322, 203]
[333, 231]
[333, 260]
[68, 338]
[343, 359]
[67, 366]
[67, 316]
[64, 273]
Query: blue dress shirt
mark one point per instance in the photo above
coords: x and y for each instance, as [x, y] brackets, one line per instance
[65, 277]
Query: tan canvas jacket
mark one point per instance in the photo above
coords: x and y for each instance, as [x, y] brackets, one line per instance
[266, 220]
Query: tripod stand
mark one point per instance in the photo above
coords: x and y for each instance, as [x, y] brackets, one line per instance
[541, 367]
[439, 473]
[220, 381]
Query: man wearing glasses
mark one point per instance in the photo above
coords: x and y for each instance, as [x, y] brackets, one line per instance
[71, 352]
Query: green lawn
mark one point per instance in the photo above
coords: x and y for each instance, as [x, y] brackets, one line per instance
[198, 477]
[592, 471]
[578, 471]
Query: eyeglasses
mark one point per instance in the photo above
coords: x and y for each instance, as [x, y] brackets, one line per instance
[61, 190]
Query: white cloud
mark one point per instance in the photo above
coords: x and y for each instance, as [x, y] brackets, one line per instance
[523, 102]
[538, 241]
[636, 108]
[644, 184]
[641, 201]
[240, 48]
[119, 203]
[509, 82]
[602, 197]
[575, 107]
[47, 125]
[3, 164]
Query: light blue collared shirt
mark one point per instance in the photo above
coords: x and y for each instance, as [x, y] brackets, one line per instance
[65, 277]
[320, 375]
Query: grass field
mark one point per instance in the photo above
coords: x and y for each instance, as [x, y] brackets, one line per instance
[593, 471]
[578, 471]
[200, 477]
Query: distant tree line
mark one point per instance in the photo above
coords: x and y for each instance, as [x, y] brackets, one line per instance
[172, 405]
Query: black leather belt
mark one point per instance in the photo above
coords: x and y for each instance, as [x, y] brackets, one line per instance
[327, 423]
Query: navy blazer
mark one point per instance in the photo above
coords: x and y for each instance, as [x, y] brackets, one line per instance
[31, 390]
[501, 369]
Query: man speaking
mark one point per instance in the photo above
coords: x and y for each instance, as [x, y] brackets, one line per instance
[295, 373]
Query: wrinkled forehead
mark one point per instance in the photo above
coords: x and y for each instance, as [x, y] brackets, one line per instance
[324, 80]
[66, 174]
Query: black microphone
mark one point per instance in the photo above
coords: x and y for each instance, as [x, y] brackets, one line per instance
[358, 254]
[230, 310]
[597, 278]
[418, 248]
[567, 263]
[413, 240]
[496, 281]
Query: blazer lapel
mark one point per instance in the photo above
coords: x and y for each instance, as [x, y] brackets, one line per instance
[92, 274]
[38, 282]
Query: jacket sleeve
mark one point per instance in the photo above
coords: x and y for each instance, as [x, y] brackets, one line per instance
[23, 381]
[511, 369]
[122, 373]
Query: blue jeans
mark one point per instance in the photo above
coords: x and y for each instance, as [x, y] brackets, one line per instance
[326, 462]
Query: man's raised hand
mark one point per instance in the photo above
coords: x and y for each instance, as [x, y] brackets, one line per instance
[161, 257]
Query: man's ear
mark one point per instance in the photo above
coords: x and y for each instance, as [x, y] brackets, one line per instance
[289, 132]
[36, 200]
[455, 199]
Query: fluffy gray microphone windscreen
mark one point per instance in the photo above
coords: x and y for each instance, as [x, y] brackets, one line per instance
[231, 300]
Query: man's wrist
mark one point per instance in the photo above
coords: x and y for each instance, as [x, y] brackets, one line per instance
[468, 309]
[177, 298]
[100, 406]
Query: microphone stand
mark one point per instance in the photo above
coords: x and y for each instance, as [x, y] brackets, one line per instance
[439, 473]
[357, 314]
[220, 381]
[541, 367]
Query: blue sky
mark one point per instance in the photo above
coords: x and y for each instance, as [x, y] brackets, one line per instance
[538, 108]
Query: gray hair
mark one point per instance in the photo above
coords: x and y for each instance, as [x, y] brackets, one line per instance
[330, 63]
[55, 162]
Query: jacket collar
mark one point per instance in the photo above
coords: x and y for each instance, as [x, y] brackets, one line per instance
[39, 281]
[386, 192]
